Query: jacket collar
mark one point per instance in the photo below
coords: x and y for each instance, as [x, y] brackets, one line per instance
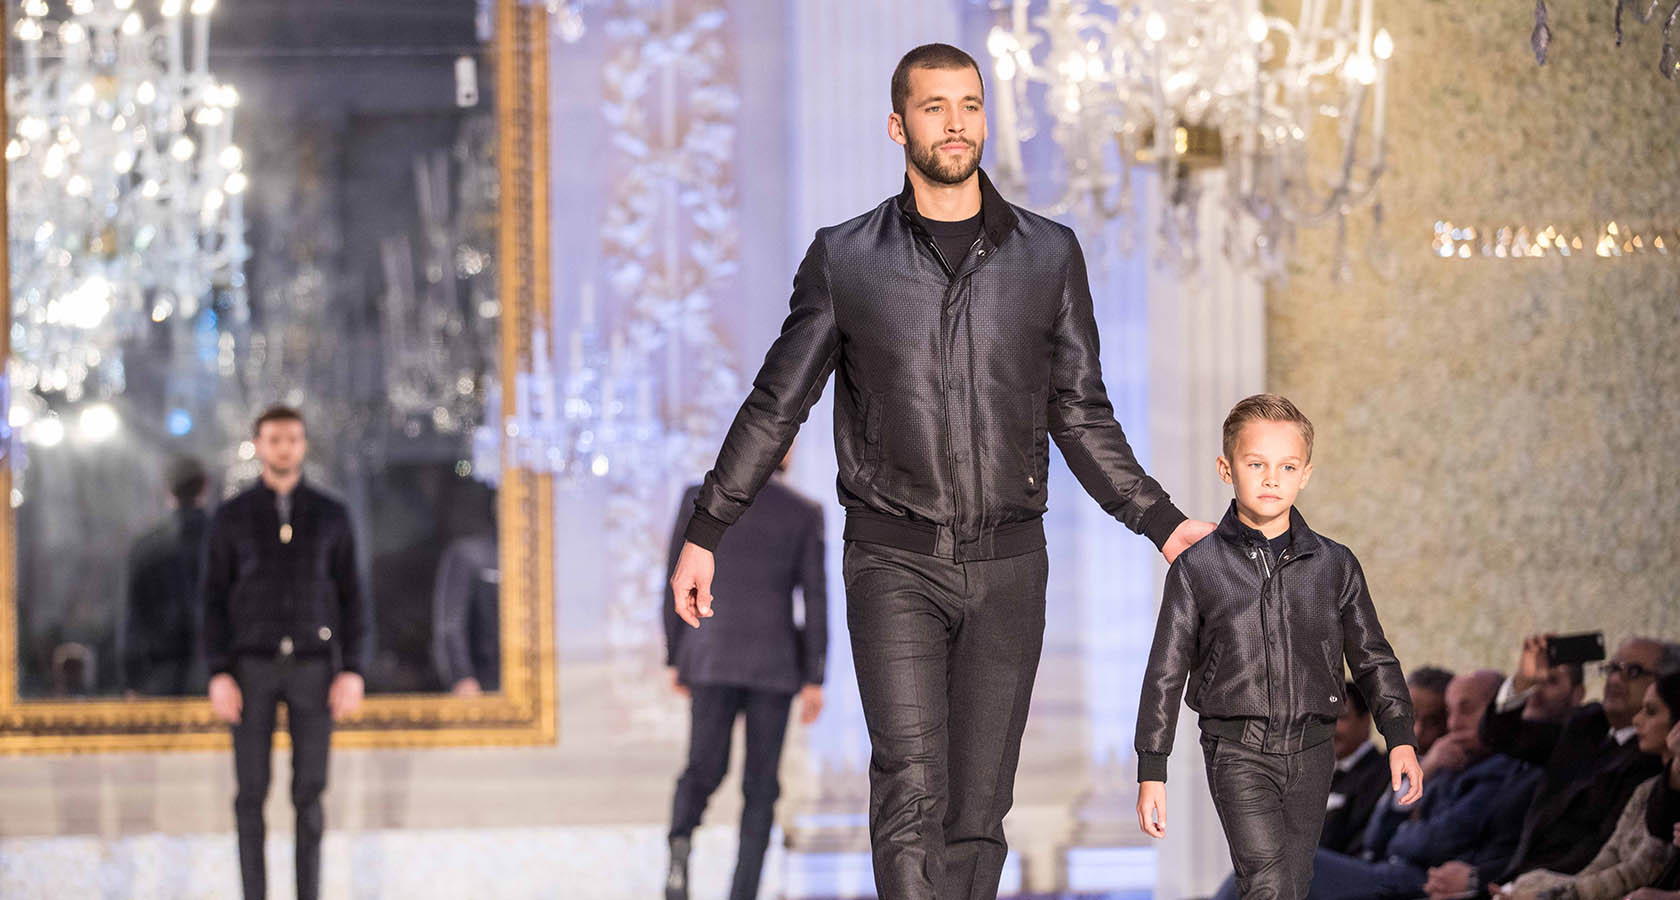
[997, 217]
[1302, 540]
[298, 490]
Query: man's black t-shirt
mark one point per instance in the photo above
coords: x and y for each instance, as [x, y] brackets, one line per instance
[954, 238]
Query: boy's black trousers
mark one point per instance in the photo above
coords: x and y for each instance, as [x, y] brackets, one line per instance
[1272, 808]
[946, 653]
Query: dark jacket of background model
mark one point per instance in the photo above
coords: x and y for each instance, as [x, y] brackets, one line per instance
[752, 640]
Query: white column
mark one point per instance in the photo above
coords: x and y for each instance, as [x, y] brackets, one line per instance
[1207, 339]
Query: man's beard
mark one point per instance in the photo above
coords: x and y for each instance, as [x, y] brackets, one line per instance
[940, 167]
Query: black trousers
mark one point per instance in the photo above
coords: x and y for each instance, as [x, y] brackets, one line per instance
[1272, 809]
[302, 684]
[712, 712]
[946, 653]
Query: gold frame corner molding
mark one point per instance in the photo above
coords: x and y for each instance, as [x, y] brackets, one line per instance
[523, 712]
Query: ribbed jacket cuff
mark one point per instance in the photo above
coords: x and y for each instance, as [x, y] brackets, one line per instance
[1398, 733]
[1152, 767]
[1160, 521]
[704, 530]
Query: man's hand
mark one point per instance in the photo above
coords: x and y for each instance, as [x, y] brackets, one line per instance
[1403, 762]
[1673, 743]
[1448, 879]
[467, 687]
[1188, 532]
[345, 695]
[1531, 665]
[1152, 808]
[225, 700]
[1447, 754]
[810, 703]
[677, 687]
[691, 583]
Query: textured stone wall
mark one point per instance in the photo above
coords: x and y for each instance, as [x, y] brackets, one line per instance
[1499, 440]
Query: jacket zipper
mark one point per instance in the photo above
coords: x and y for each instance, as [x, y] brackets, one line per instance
[945, 372]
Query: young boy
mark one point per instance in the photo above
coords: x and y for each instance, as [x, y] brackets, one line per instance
[1259, 616]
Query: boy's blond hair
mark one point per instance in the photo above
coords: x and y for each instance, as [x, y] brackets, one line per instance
[1265, 408]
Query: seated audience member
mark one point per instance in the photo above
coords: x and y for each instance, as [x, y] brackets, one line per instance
[1591, 760]
[1662, 821]
[1360, 780]
[1632, 857]
[1552, 698]
[1429, 702]
[1470, 809]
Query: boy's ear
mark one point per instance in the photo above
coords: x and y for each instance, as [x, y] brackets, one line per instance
[1224, 467]
[1306, 475]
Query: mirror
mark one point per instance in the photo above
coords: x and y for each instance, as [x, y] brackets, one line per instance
[215, 208]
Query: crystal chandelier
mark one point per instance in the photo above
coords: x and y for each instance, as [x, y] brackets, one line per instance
[124, 193]
[440, 330]
[1540, 39]
[1191, 85]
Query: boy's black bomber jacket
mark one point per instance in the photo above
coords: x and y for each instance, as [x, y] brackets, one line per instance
[1261, 641]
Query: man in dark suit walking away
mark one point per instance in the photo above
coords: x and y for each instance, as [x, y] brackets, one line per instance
[751, 660]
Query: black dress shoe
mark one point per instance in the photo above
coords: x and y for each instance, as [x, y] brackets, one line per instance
[676, 879]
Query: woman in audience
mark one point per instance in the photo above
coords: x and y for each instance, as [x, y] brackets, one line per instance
[1662, 819]
[1632, 858]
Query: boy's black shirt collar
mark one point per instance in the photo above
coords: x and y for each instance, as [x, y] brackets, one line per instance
[1299, 537]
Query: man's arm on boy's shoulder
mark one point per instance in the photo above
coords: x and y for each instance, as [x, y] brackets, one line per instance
[1081, 419]
[1171, 656]
[1375, 669]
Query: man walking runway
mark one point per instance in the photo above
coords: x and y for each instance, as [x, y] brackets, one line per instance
[961, 334]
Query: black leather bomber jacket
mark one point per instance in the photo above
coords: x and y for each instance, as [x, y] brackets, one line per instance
[952, 375]
[1261, 641]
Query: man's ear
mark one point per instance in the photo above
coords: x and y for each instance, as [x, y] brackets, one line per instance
[895, 129]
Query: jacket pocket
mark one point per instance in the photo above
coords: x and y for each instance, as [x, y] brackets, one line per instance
[869, 424]
[1208, 671]
[1039, 458]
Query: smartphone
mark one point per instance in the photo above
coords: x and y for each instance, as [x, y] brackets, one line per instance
[1573, 649]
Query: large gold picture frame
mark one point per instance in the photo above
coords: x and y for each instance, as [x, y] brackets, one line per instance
[523, 711]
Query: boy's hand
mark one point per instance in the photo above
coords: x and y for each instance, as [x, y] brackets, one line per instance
[1152, 808]
[1188, 532]
[1403, 763]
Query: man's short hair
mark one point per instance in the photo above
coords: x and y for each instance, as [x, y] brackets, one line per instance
[276, 413]
[1356, 699]
[186, 478]
[929, 56]
[1430, 678]
[1265, 408]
